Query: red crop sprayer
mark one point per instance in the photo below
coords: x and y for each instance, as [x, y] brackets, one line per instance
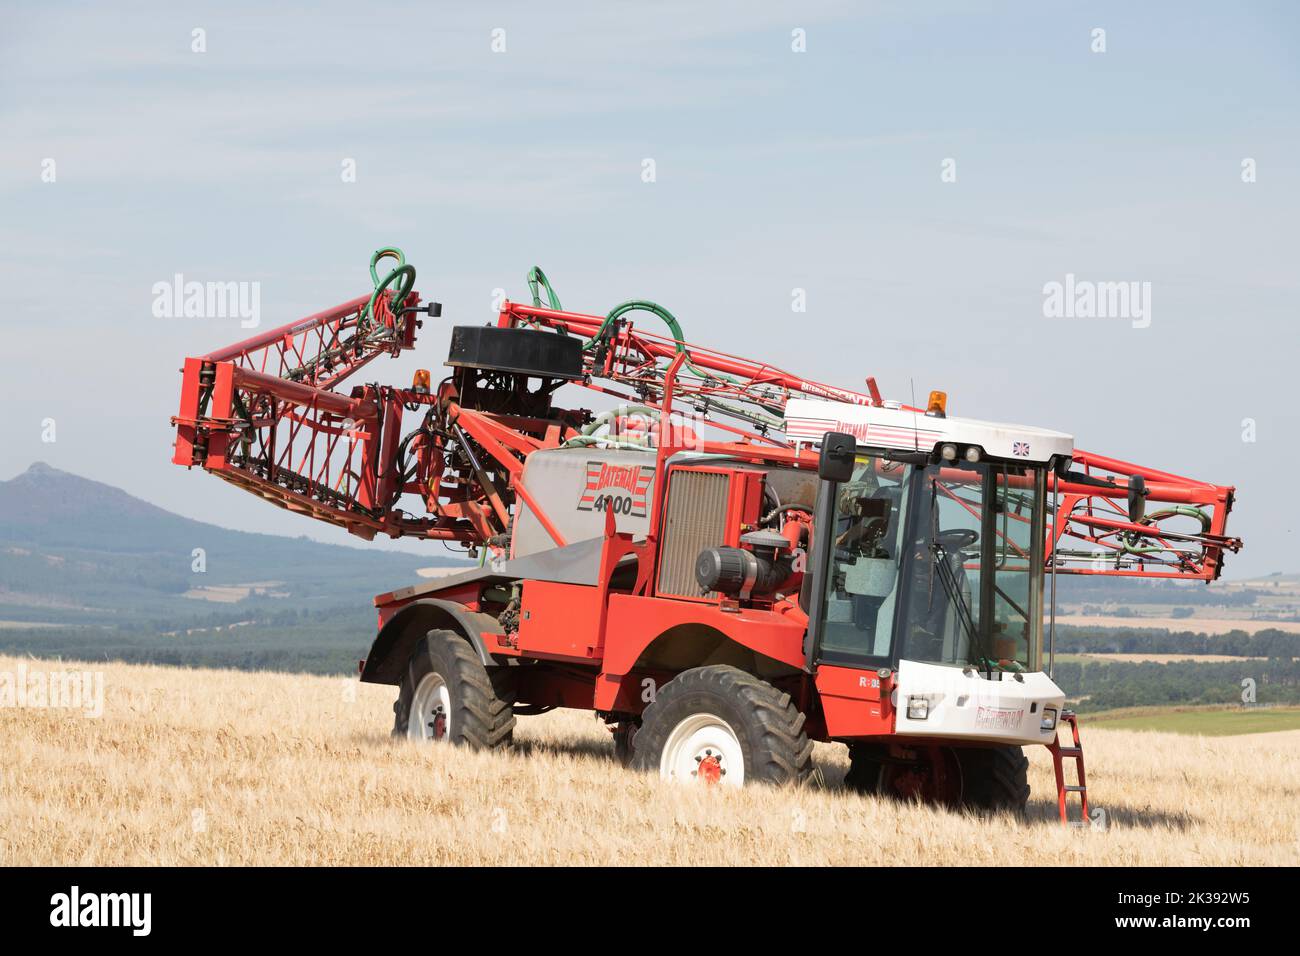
[728, 562]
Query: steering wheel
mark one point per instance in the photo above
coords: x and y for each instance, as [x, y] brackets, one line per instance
[956, 539]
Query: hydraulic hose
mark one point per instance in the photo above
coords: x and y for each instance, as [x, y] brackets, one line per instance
[402, 270]
[368, 331]
[606, 418]
[536, 278]
[642, 305]
[591, 441]
[537, 282]
[1129, 542]
[679, 340]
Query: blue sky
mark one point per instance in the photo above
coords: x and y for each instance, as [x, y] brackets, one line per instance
[775, 170]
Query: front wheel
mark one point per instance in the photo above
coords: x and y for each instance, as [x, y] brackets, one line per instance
[719, 725]
[447, 695]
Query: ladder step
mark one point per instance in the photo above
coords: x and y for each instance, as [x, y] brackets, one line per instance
[1074, 789]
[1071, 751]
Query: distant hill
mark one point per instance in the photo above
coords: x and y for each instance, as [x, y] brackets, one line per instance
[84, 555]
[90, 571]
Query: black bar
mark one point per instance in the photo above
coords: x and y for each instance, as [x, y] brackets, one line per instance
[909, 906]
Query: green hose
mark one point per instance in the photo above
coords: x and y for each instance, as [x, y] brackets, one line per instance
[670, 320]
[537, 282]
[641, 305]
[402, 270]
[388, 252]
[1129, 542]
[679, 340]
[536, 277]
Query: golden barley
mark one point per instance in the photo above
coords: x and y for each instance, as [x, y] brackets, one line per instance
[222, 767]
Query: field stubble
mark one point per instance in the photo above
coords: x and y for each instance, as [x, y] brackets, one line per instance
[222, 767]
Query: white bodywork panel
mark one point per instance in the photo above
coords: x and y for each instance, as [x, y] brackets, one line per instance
[574, 485]
[965, 704]
[807, 420]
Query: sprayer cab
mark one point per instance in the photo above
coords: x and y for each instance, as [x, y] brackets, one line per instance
[928, 561]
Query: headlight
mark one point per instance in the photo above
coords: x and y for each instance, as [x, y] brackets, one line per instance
[918, 708]
[1049, 719]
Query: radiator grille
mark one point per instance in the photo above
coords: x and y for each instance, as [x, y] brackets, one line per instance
[696, 519]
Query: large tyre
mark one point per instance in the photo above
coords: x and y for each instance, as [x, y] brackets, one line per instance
[866, 761]
[623, 734]
[448, 695]
[719, 724]
[975, 778]
[995, 778]
[933, 774]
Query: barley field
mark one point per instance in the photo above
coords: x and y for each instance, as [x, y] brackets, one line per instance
[203, 767]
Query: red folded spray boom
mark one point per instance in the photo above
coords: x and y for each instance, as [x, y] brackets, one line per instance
[267, 414]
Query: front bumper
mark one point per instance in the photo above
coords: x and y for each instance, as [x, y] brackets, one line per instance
[963, 704]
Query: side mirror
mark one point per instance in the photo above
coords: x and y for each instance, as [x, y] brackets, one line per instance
[433, 309]
[839, 455]
[1137, 498]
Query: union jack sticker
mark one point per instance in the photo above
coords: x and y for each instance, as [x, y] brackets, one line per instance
[1020, 449]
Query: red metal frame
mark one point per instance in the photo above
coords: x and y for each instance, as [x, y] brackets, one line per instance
[1099, 517]
[264, 414]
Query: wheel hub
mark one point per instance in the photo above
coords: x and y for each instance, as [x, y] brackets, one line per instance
[709, 769]
[430, 717]
[703, 749]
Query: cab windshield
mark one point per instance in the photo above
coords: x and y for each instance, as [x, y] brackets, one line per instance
[974, 566]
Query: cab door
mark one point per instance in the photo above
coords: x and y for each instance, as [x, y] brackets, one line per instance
[856, 561]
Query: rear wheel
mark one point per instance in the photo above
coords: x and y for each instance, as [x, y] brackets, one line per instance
[447, 695]
[929, 775]
[866, 761]
[977, 778]
[721, 725]
[997, 778]
[623, 734]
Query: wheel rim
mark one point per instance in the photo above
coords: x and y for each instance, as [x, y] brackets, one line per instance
[430, 710]
[703, 750]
